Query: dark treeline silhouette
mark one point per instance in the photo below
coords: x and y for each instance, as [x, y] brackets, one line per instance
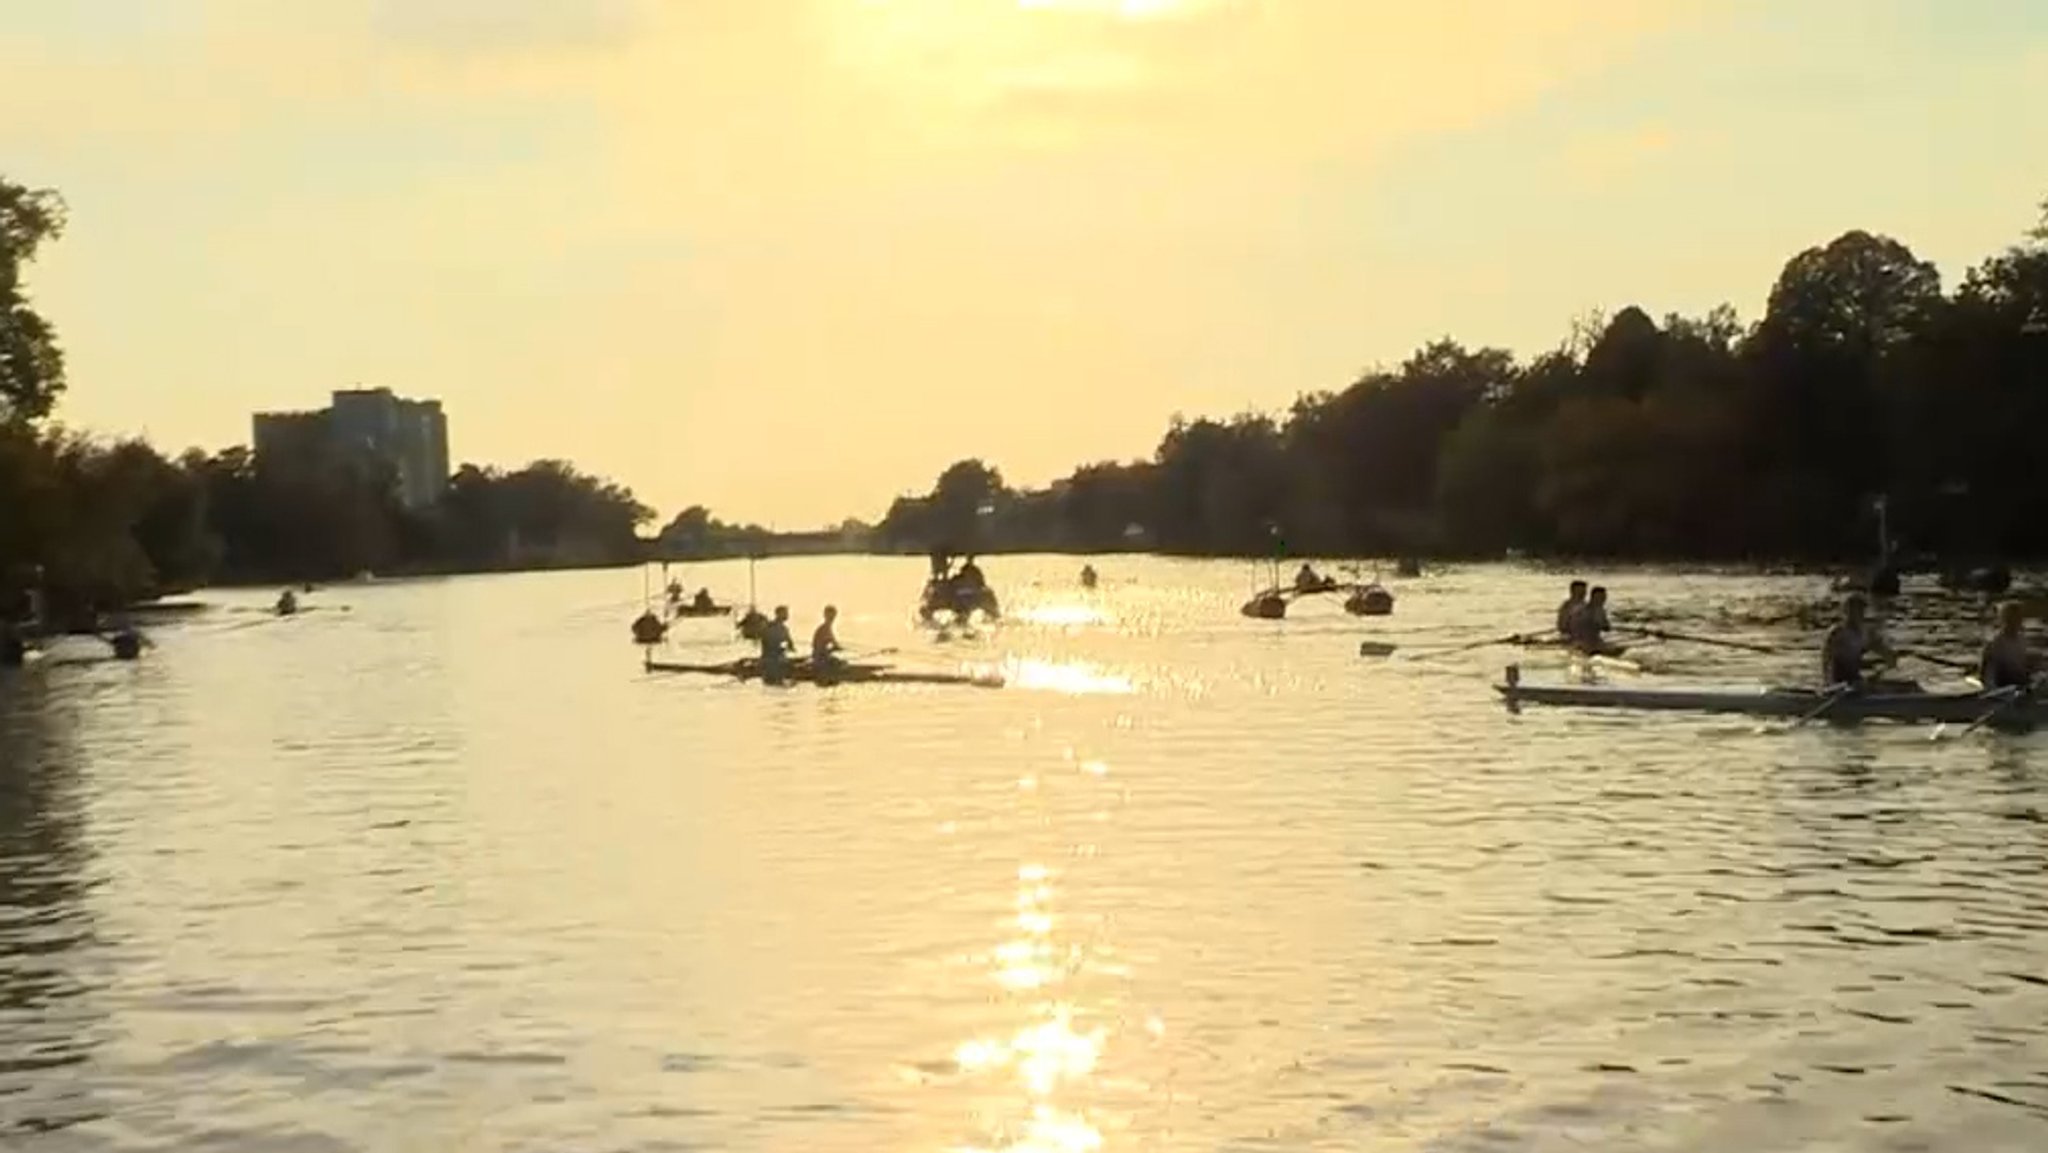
[1694, 438]
[97, 524]
[695, 534]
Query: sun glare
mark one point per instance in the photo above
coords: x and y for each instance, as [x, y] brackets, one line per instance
[1128, 9]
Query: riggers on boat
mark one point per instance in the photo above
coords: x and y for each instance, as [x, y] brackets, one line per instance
[802, 672]
[1888, 703]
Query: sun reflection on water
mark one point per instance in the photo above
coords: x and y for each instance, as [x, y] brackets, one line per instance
[1072, 677]
[1064, 615]
[1051, 1052]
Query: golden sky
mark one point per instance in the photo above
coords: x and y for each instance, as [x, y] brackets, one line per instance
[789, 258]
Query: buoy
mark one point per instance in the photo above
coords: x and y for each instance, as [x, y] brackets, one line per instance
[1268, 607]
[648, 629]
[1371, 601]
[749, 625]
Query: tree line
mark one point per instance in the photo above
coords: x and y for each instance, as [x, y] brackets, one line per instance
[1700, 438]
[95, 524]
[1694, 438]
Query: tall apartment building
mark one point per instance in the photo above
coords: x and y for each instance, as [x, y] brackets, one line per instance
[408, 436]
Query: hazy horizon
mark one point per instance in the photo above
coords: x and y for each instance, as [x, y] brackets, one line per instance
[897, 233]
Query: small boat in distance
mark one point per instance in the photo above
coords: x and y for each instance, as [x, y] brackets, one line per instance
[956, 597]
[1371, 600]
[1889, 704]
[803, 672]
[287, 603]
[1088, 576]
[700, 605]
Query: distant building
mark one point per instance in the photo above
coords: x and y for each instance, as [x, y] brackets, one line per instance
[410, 437]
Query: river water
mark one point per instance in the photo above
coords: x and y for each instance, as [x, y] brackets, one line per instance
[436, 866]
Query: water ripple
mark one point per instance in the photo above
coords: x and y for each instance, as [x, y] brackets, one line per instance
[445, 870]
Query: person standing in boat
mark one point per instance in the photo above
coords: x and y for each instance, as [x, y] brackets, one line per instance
[1589, 624]
[776, 646]
[1567, 613]
[825, 646]
[2005, 662]
[1850, 644]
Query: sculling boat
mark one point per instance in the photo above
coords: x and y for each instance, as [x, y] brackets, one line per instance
[1887, 704]
[801, 672]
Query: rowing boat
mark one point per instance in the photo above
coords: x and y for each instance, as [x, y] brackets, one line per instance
[1888, 705]
[802, 672]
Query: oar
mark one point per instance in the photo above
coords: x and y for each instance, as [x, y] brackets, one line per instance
[1944, 662]
[1834, 693]
[2009, 695]
[1662, 635]
[1373, 648]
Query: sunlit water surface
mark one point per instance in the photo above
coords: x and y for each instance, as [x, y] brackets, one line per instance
[435, 866]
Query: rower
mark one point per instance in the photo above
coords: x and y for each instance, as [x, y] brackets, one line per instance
[1850, 643]
[1307, 577]
[703, 599]
[825, 646]
[125, 639]
[776, 646]
[1088, 576]
[287, 603]
[1589, 624]
[2005, 662]
[970, 579]
[1568, 612]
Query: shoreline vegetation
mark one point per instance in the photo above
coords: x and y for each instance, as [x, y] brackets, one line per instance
[1867, 404]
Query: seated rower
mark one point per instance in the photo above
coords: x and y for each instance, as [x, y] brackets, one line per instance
[969, 579]
[825, 646]
[1307, 577]
[2005, 662]
[1589, 625]
[1569, 610]
[1851, 643]
[776, 647]
[703, 599]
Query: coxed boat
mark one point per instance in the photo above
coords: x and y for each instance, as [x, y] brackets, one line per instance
[1885, 705]
[802, 672]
